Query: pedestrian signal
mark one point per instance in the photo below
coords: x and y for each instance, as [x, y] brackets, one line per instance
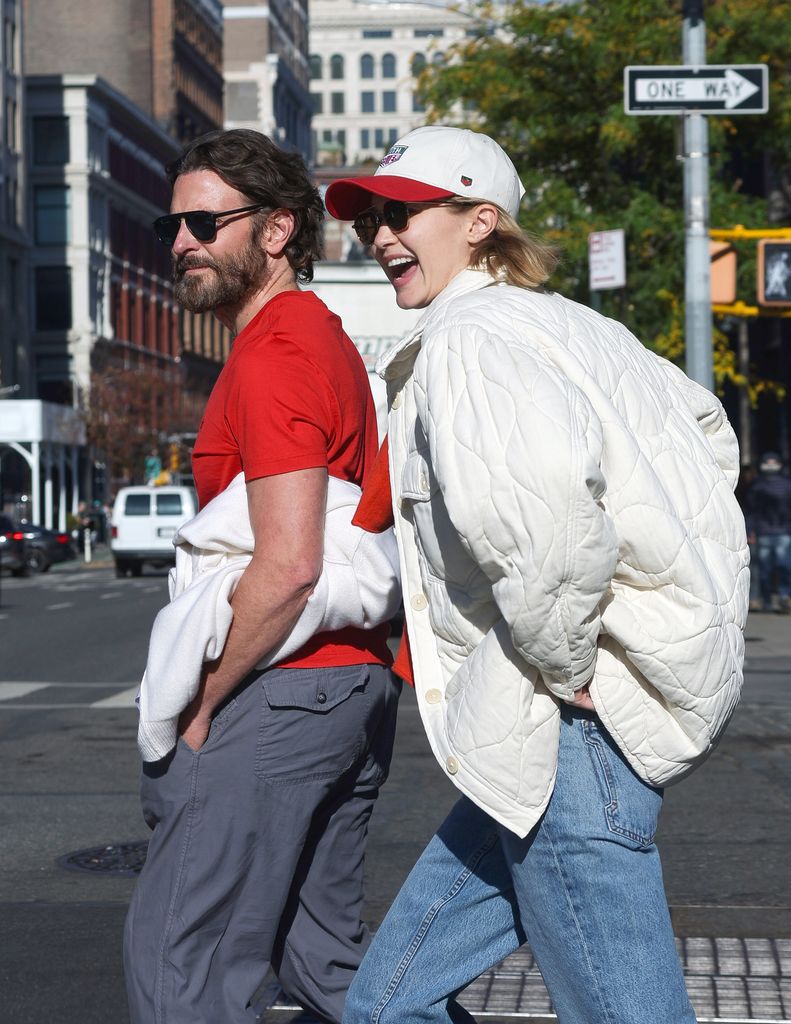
[774, 272]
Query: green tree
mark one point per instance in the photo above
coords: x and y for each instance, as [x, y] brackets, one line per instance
[548, 84]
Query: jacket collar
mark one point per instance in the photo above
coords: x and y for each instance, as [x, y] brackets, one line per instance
[398, 359]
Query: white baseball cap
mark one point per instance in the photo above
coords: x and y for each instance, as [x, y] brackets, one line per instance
[430, 163]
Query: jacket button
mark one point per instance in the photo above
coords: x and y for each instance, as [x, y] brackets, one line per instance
[452, 765]
[419, 602]
[396, 400]
[321, 698]
[433, 696]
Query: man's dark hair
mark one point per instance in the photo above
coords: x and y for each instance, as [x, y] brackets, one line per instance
[251, 163]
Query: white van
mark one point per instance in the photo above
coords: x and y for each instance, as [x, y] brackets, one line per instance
[144, 523]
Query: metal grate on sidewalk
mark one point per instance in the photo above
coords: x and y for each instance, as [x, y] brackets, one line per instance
[727, 980]
[730, 981]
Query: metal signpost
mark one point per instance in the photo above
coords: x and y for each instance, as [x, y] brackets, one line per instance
[695, 91]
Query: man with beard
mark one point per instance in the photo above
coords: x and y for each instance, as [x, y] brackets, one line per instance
[260, 814]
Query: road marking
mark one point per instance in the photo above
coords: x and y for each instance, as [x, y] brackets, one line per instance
[10, 691]
[125, 699]
[57, 607]
[108, 597]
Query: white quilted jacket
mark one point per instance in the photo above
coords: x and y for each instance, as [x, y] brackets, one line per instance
[565, 514]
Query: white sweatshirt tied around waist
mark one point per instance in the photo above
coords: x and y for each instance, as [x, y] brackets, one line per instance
[359, 586]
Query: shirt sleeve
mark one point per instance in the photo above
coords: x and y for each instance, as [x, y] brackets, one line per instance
[280, 410]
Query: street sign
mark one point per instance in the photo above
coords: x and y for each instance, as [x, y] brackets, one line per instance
[606, 260]
[704, 89]
[774, 273]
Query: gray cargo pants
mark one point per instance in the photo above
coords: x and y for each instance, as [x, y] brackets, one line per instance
[256, 856]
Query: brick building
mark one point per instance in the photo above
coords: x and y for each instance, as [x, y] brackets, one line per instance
[266, 70]
[163, 55]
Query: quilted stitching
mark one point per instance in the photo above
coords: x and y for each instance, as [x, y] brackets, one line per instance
[579, 525]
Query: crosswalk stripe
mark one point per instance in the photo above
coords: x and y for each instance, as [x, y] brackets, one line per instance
[11, 691]
[125, 699]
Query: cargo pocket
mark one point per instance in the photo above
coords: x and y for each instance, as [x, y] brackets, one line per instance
[313, 723]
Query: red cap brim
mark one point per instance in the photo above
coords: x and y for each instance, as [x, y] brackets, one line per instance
[347, 197]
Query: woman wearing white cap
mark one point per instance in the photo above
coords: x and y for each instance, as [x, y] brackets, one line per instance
[575, 583]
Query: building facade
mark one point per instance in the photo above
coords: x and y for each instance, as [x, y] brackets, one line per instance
[266, 70]
[364, 56]
[15, 377]
[165, 56]
[107, 335]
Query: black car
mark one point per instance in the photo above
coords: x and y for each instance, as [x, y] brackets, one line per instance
[12, 548]
[44, 547]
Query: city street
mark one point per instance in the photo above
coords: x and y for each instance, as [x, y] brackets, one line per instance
[73, 649]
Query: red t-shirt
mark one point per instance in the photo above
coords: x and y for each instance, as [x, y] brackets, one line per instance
[294, 394]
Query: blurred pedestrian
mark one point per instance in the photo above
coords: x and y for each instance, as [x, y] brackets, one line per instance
[575, 585]
[768, 512]
[260, 812]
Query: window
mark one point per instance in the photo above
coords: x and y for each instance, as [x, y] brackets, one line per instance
[418, 106]
[388, 101]
[392, 136]
[241, 101]
[379, 138]
[417, 64]
[365, 138]
[50, 140]
[377, 33]
[438, 59]
[326, 135]
[336, 103]
[318, 102]
[138, 504]
[9, 125]
[367, 103]
[336, 66]
[315, 66]
[51, 214]
[388, 65]
[167, 504]
[53, 298]
[9, 45]
[340, 137]
[429, 33]
[366, 66]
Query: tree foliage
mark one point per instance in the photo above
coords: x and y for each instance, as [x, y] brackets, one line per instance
[547, 82]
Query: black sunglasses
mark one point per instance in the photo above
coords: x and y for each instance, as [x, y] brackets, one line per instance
[395, 214]
[201, 224]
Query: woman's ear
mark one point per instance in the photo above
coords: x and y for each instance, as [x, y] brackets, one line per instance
[279, 228]
[482, 222]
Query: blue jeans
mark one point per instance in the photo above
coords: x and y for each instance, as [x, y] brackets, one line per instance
[774, 556]
[584, 889]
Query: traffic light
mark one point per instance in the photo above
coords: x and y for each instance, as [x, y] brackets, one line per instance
[173, 457]
[774, 272]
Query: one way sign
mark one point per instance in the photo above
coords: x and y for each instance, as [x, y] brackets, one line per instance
[706, 89]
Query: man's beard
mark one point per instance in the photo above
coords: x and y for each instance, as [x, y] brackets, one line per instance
[228, 282]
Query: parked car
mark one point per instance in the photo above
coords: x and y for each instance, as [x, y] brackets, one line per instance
[12, 548]
[44, 547]
[144, 523]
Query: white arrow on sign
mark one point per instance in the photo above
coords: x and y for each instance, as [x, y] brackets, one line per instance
[730, 89]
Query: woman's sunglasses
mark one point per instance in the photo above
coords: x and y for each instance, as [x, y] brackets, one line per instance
[201, 224]
[395, 214]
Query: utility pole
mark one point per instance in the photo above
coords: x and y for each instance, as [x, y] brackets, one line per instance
[697, 287]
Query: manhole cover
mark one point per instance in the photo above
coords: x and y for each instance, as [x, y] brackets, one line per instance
[114, 858]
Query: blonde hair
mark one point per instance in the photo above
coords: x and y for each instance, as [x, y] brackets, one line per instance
[509, 253]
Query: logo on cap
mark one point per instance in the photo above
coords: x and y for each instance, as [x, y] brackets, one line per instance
[395, 154]
[466, 181]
